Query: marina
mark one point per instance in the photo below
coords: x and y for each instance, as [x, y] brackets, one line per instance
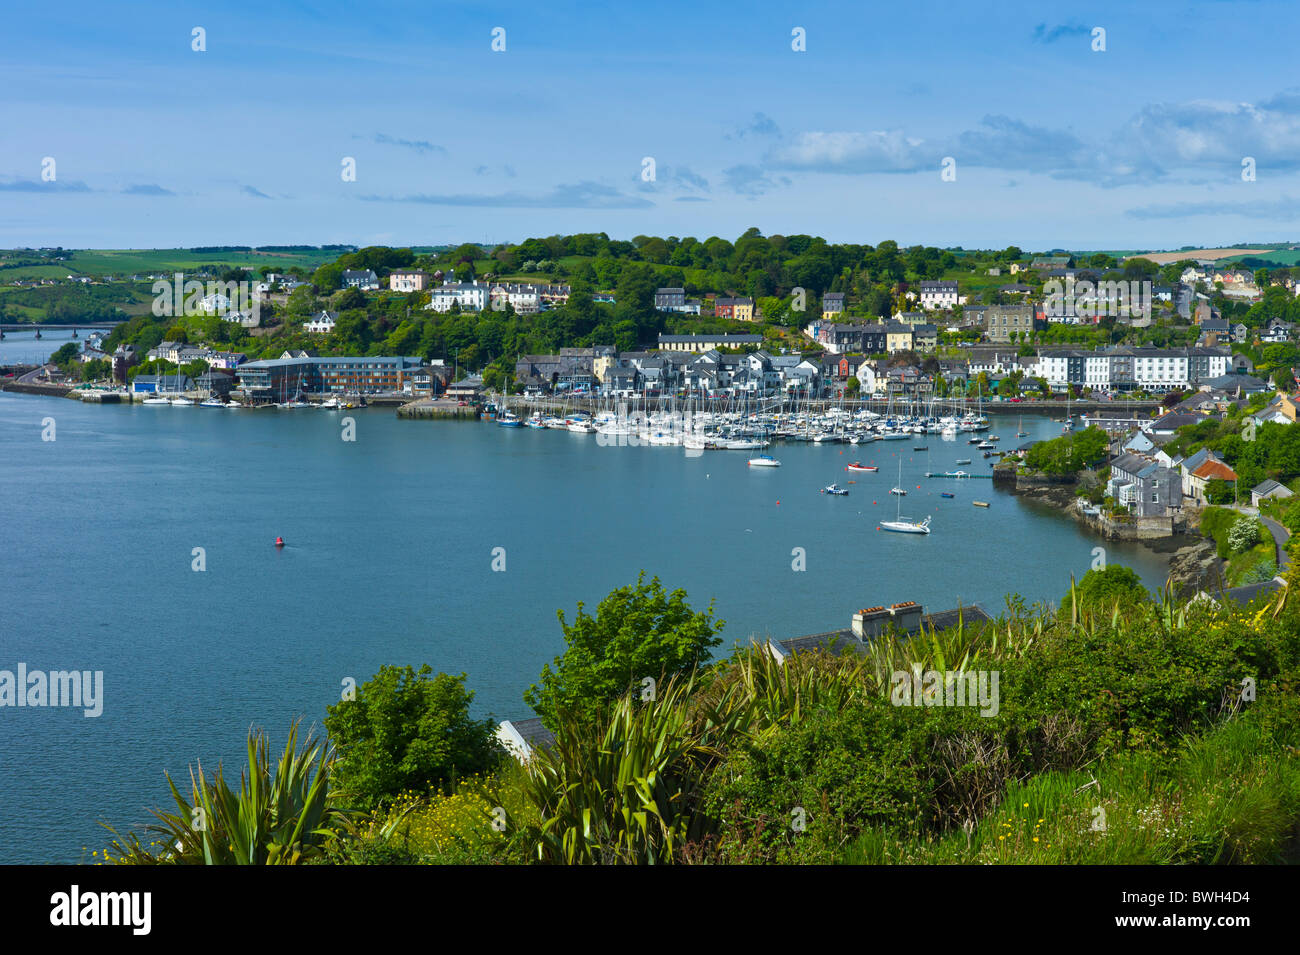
[296, 619]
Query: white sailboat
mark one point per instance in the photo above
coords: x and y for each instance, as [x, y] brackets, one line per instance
[900, 524]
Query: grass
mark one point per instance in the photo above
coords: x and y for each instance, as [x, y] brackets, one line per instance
[1240, 565]
[1230, 797]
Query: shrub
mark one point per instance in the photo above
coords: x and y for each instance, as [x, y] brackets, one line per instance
[638, 632]
[1244, 534]
[406, 731]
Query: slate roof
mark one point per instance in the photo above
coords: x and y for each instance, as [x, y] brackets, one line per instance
[1175, 420]
[534, 733]
[837, 642]
[1248, 593]
[1268, 486]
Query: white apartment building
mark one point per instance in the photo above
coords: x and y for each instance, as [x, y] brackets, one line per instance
[1163, 370]
[1096, 371]
[1053, 368]
[941, 295]
[471, 297]
[524, 299]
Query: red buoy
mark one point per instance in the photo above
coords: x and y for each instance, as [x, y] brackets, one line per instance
[279, 542]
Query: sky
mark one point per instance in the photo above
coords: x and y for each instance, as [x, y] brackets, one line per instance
[1178, 125]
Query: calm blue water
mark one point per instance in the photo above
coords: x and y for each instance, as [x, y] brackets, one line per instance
[24, 348]
[389, 555]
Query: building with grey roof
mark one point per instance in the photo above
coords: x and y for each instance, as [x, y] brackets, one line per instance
[907, 619]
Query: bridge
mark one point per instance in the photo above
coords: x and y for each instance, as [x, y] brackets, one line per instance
[25, 326]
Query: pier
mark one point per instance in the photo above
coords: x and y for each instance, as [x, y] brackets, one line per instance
[437, 408]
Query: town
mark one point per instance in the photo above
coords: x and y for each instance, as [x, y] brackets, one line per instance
[1137, 328]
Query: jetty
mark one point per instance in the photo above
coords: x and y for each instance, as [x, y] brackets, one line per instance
[438, 408]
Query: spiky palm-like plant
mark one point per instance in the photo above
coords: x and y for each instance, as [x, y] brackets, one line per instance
[627, 792]
[281, 814]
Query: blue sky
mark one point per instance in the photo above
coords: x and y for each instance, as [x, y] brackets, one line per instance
[1056, 145]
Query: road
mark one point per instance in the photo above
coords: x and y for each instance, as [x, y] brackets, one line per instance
[1280, 535]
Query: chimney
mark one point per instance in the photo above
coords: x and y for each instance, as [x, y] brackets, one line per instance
[870, 622]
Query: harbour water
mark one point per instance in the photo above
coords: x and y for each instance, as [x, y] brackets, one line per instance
[24, 348]
[390, 545]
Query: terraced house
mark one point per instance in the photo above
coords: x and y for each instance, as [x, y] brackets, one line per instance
[1145, 487]
[739, 309]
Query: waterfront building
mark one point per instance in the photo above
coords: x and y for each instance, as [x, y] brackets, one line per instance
[160, 384]
[904, 618]
[281, 378]
[468, 389]
[1145, 487]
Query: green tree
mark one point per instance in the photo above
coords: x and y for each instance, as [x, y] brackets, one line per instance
[407, 731]
[1103, 589]
[638, 632]
[65, 355]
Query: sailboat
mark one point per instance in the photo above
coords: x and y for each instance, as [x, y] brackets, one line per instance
[1022, 433]
[900, 524]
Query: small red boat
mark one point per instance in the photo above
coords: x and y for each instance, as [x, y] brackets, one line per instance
[859, 466]
[279, 542]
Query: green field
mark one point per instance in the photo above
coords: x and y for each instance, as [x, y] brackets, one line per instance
[120, 262]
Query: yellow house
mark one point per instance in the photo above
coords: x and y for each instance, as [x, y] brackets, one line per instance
[898, 338]
[740, 309]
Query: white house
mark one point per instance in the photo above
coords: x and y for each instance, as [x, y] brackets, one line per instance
[524, 299]
[322, 324]
[470, 296]
[940, 295]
